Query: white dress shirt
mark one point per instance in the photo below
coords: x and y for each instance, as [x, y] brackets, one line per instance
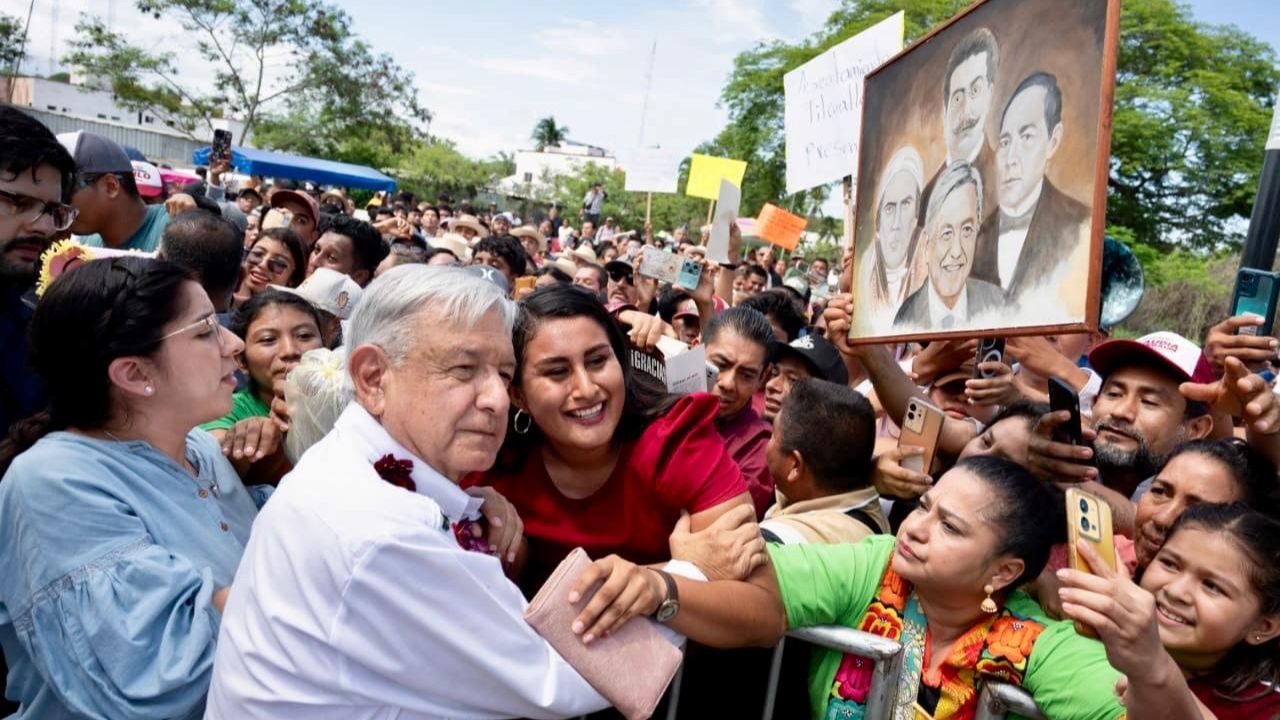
[939, 312]
[1009, 243]
[353, 600]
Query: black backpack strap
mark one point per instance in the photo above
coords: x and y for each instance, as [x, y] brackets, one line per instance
[865, 518]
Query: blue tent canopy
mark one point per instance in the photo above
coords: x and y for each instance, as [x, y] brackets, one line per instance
[266, 163]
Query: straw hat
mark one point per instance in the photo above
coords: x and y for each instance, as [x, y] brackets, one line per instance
[468, 221]
[453, 242]
[585, 253]
[528, 231]
[566, 266]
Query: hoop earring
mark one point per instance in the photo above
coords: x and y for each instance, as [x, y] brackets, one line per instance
[988, 606]
[515, 422]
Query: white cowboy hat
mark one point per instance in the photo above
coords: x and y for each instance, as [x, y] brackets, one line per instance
[453, 242]
[467, 221]
[585, 253]
[528, 231]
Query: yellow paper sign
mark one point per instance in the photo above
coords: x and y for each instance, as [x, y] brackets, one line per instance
[705, 173]
[780, 227]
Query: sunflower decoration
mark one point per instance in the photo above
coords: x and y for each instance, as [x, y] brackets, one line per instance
[66, 255]
[60, 257]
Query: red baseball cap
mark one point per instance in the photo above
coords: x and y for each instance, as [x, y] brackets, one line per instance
[1170, 350]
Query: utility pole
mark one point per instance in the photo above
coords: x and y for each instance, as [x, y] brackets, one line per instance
[1264, 225]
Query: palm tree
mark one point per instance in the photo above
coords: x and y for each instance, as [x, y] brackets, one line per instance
[546, 132]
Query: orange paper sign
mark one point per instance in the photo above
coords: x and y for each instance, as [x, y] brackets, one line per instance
[780, 227]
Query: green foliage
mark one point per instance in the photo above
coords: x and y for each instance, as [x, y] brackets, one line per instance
[1192, 112]
[1187, 292]
[1191, 116]
[11, 35]
[432, 167]
[547, 132]
[291, 70]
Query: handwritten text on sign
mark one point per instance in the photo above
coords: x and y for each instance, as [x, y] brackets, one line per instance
[780, 227]
[823, 116]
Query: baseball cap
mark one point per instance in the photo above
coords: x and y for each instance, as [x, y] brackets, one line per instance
[95, 154]
[329, 290]
[1166, 349]
[621, 266]
[820, 356]
[493, 276]
[147, 177]
[964, 371]
[313, 208]
[688, 308]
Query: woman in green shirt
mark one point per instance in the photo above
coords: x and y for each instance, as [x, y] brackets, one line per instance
[277, 328]
[946, 588]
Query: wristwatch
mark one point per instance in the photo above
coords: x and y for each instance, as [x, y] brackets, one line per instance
[671, 605]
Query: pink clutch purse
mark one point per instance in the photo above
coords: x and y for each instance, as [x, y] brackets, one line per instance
[631, 668]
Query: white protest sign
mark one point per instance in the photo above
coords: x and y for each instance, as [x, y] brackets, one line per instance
[823, 112]
[651, 169]
[1273, 142]
[686, 367]
[726, 212]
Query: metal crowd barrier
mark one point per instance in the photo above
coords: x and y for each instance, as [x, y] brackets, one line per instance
[995, 703]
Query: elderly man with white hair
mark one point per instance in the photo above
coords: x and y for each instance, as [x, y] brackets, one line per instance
[889, 270]
[365, 591]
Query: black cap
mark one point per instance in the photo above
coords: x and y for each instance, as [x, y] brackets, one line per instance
[823, 359]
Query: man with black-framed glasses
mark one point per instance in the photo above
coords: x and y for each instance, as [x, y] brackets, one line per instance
[111, 212]
[35, 178]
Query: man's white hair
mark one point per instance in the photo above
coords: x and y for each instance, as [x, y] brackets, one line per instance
[385, 316]
[957, 175]
[907, 160]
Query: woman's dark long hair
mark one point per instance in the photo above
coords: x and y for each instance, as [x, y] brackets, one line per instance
[643, 404]
[1258, 536]
[98, 312]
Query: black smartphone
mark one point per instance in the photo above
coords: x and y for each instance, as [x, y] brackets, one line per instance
[1256, 292]
[989, 350]
[221, 145]
[1063, 397]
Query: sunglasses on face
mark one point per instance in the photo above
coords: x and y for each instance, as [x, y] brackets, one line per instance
[30, 209]
[275, 265]
[620, 275]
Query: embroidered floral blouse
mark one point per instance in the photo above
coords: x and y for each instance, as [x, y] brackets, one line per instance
[853, 585]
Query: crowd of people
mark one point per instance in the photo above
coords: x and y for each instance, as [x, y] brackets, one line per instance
[270, 454]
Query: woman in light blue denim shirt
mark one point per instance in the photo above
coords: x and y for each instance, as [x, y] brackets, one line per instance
[121, 525]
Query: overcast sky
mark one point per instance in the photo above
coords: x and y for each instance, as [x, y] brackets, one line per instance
[488, 70]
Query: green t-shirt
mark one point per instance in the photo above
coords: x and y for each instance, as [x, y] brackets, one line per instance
[146, 238]
[244, 405]
[1067, 674]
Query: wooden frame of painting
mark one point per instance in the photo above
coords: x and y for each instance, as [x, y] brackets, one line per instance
[983, 165]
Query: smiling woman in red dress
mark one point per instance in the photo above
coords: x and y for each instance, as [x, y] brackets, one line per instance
[591, 461]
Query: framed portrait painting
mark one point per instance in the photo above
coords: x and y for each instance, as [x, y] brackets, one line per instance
[982, 176]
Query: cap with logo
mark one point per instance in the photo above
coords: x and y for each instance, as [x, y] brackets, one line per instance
[328, 290]
[1169, 350]
[147, 177]
[821, 357]
[490, 274]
